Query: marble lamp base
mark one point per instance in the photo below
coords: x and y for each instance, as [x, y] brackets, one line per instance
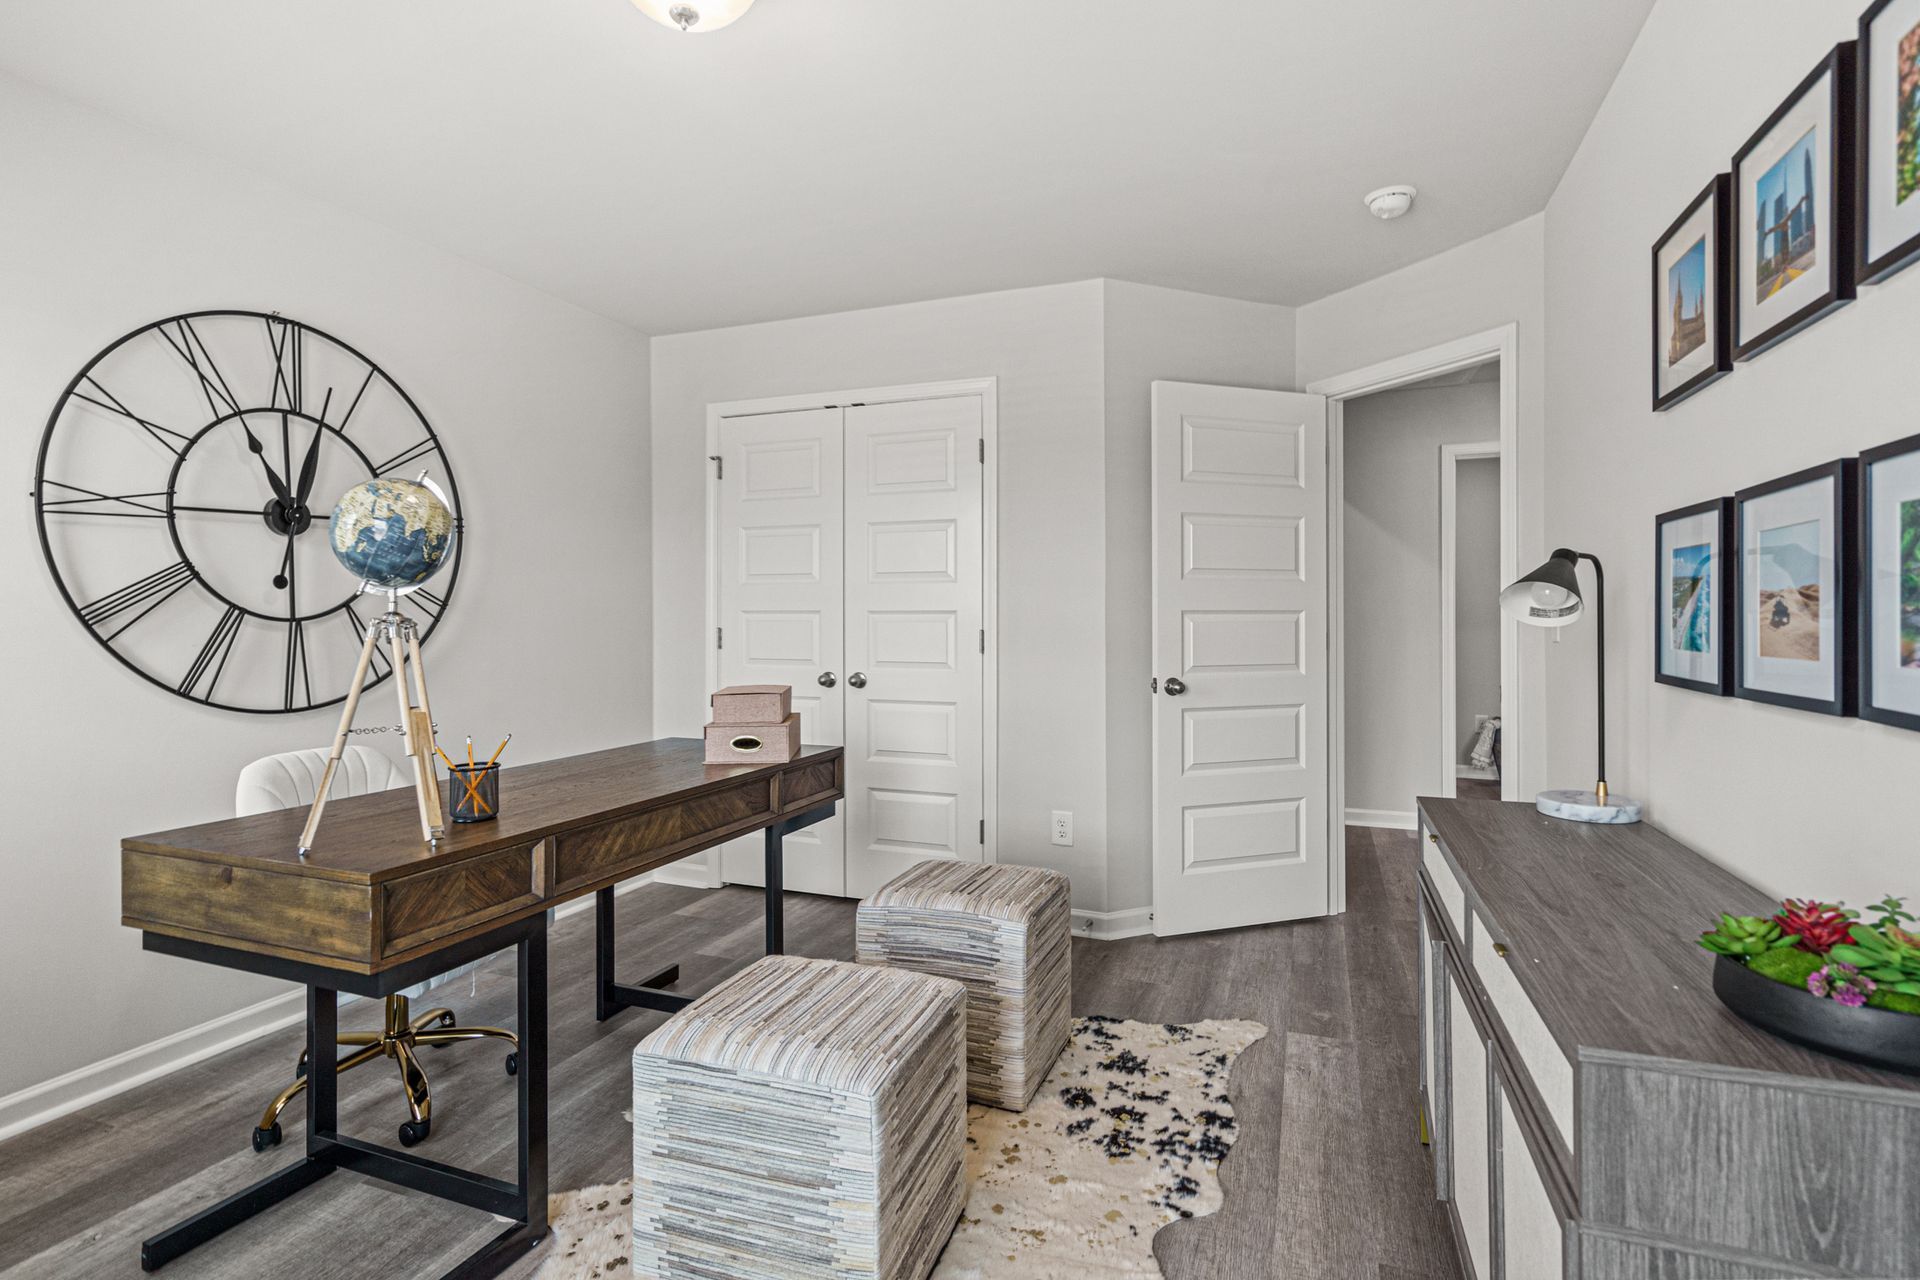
[1585, 806]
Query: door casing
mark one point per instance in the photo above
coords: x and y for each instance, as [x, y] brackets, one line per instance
[988, 389]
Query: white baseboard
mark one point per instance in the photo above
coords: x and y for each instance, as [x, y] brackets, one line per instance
[36, 1104]
[1110, 926]
[1484, 775]
[1394, 819]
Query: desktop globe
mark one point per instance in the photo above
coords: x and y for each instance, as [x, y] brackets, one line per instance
[391, 534]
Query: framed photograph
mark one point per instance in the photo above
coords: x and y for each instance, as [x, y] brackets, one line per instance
[1887, 173]
[1793, 622]
[1793, 211]
[1692, 640]
[1889, 610]
[1691, 346]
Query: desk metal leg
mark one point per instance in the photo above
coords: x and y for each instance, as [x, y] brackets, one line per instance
[776, 891]
[610, 997]
[524, 1200]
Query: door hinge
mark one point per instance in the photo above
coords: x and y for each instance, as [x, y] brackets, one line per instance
[983, 639]
[983, 449]
[983, 831]
[719, 466]
[719, 638]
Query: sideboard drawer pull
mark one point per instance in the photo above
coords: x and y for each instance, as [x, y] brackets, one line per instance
[1500, 949]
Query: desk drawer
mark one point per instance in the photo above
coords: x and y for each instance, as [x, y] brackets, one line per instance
[809, 785]
[446, 900]
[1540, 1055]
[627, 846]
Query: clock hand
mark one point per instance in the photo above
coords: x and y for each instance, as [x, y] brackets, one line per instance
[312, 464]
[284, 578]
[260, 452]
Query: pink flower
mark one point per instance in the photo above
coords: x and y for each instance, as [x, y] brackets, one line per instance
[1843, 982]
[1852, 997]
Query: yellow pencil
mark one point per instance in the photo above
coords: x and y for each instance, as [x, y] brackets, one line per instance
[451, 767]
[502, 747]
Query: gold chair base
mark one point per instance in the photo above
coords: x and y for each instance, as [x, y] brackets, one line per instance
[398, 1040]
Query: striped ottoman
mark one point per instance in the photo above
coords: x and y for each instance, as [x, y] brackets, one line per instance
[1005, 932]
[805, 1118]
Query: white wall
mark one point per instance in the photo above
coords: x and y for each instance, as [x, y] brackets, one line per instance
[1044, 346]
[1476, 604]
[1797, 803]
[1496, 280]
[1153, 335]
[104, 229]
[1392, 582]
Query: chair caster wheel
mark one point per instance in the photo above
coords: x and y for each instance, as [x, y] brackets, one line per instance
[264, 1138]
[413, 1132]
[513, 1064]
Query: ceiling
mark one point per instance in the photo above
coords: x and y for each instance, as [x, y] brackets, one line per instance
[822, 155]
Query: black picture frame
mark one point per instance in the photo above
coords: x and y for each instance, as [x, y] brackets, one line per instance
[1863, 588]
[1844, 520]
[1720, 586]
[1718, 295]
[1868, 269]
[1838, 69]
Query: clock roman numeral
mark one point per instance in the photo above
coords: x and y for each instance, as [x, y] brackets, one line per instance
[137, 505]
[286, 363]
[152, 591]
[402, 458]
[432, 603]
[112, 405]
[298, 676]
[189, 346]
[214, 653]
[365, 383]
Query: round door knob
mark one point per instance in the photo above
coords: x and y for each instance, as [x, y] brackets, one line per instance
[828, 680]
[858, 679]
[1175, 686]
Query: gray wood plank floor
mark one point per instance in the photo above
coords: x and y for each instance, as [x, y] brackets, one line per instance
[1327, 1179]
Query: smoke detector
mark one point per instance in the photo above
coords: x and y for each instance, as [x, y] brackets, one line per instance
[1389, 203]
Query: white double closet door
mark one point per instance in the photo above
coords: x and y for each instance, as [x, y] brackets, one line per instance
[848, 564]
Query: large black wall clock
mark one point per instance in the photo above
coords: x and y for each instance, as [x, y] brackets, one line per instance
[183, 489]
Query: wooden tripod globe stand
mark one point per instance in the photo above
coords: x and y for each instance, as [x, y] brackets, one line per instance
[402, 638]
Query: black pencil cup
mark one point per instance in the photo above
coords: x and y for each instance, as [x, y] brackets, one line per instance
[476, 792]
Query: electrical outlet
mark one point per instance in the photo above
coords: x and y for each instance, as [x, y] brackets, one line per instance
[1062, 826]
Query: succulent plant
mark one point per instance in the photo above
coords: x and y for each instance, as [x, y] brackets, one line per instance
[1891, 912]
[1745, 936]
[1889, 955]
[1819, 925]
[1841, 982]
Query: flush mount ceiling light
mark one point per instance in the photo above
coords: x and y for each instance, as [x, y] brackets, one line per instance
[1389, 203]
[696, 16]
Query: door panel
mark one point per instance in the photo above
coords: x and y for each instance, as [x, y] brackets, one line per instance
[1241, 826]
[782, 603]
[914, 607]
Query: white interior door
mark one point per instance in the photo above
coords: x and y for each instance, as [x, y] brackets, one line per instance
[914, 695]
[782, 603]
[1240, 798]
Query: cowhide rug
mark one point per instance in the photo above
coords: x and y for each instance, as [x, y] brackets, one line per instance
[1126, 1135]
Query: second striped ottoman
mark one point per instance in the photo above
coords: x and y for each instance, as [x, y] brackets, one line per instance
[804, 1120]
[1004, 931]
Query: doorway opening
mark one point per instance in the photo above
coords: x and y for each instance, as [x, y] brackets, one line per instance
[1401, 719]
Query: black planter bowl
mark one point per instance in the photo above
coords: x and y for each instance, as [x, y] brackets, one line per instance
[1876, 1037]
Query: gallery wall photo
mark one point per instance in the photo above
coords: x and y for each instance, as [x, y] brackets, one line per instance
[1793, 210]
[1887, 171]
[1692, 642]
[1692, 347]
[1889, 607]
[1793, 620]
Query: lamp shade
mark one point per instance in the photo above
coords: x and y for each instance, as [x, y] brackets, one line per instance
[1549, 596]
[696, 16]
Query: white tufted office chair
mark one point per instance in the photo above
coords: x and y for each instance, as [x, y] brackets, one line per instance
[291, 780]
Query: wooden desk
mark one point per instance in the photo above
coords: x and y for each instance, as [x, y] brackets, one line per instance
[371, 910]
